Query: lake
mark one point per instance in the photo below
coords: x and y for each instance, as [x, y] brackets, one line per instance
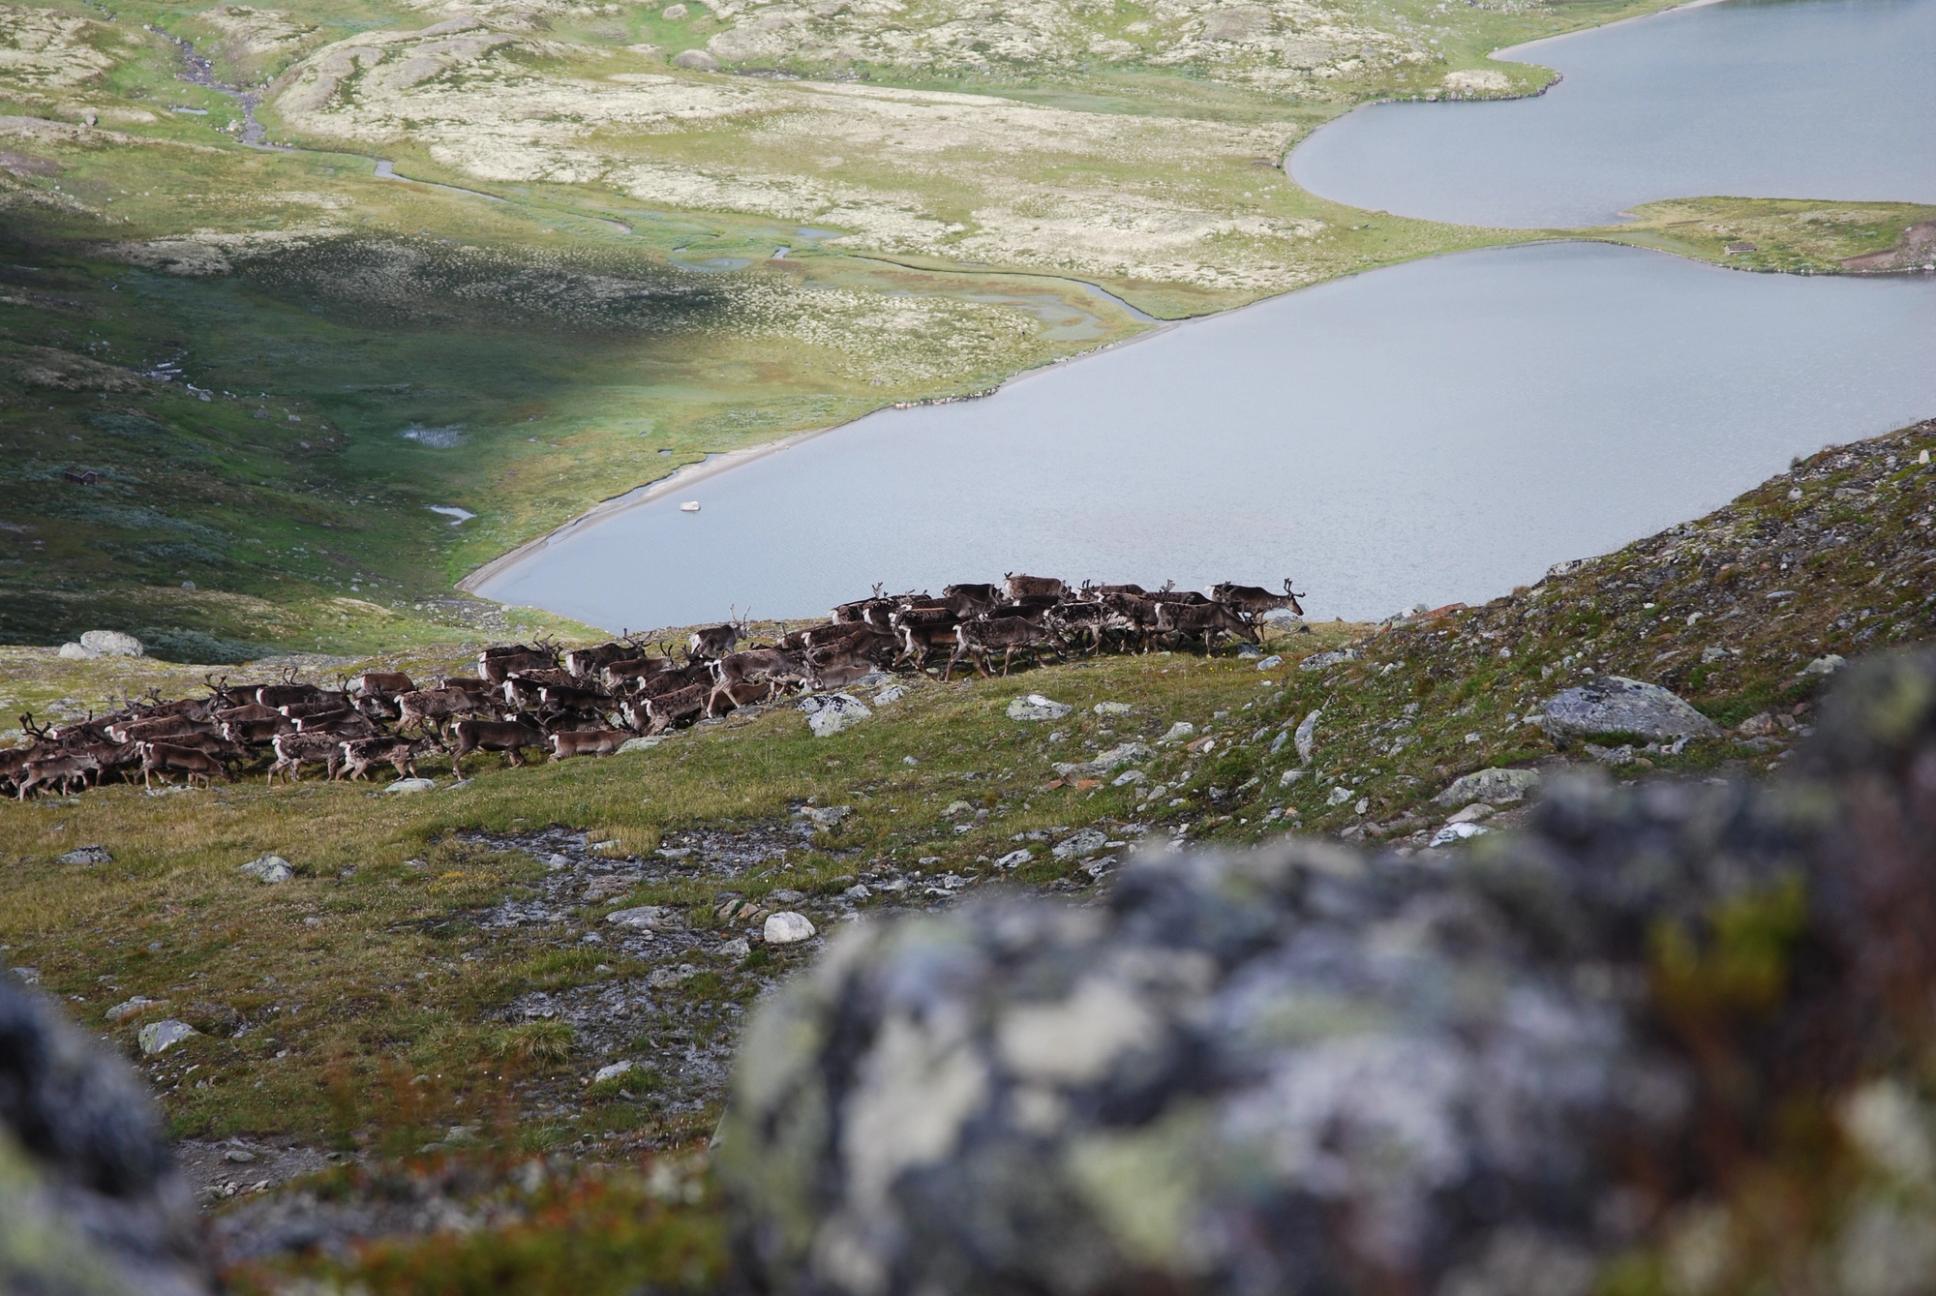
[1437, 431]
[1750, 98]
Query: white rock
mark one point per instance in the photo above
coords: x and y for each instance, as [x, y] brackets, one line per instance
[1084, 842]
[697, 61]
[824, 818]
[1112, 708]
[87, 855]
[1306, 737]
[1289, 777]
[957, 808]
[159, 1037]
[644, 918]
[111, 643]
[74, 652]
[673, 13]
[1037, 707]
[1471, 814]
[787, 928]
[1271, 662]
[640, 744]
[1015, 859]
[1456, 832]
[737, 949]
[270, 870]
[1129, 778]
[1338, 796]
[1177, 732]
[1497, 786]
[411, 785]
[830, 713]
[611, 1071]
[1825, 665]
[890, 695]
[1610, 704]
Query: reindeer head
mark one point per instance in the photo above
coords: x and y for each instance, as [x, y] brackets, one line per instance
[1293, 596]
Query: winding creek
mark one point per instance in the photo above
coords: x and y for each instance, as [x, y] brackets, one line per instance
[1437, 431]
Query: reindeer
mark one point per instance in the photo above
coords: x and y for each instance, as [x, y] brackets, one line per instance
[667, 709]
[975, 640]
[713, 642]
[1181, 621]
[427, 709]
[383, 684]
[1019, 586]
[1252, 602]
[166, 758]
[68, 770]
[359, 754]
[850, 613]
[567, 743]
[507, 736]
[498, 667]
[294, 750]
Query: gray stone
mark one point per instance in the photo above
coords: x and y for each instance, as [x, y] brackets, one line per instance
[270, 870]
[1338, 796]
[1129, 778]
[830, 713]
[1498, 786]
[957, 808]
[1035, 707]
[1306, 736]
[1456, 832]
[739, 949]
[612, 1071]
[890, 695]
[87, 855]
[1288, 1069]
[673, 13]
[160, 1036]
[405, 785]
[74, 652]
[787, 928]
[1471, 814]
[1177, 733]
[826, 818]
[1824, 665]
[695, 60]
[1112, 708]
[1326, 660]
[90, 1203]
[1085, 842]
[1271, 662]
[631, 745]
[646, 918]
[111, 643]
[1614, 704]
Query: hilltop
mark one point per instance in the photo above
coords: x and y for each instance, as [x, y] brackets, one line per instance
[440, 981]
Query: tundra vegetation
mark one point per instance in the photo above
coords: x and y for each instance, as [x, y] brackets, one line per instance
[411, 1028]
[628, 236]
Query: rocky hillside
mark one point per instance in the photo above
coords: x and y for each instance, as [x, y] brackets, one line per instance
[481, 1034]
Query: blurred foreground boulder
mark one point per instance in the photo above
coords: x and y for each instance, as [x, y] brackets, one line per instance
[90, 1204]
[1672, 1037]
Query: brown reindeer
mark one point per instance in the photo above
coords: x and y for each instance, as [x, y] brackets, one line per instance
[567, 743]
[1019, 586]
[1253, 601]
[360, 754]
[507, 736]
[1182, 621]
[295, 750]
[166, 758]
[976, 640]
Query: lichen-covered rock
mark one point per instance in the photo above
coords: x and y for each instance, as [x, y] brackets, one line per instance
[1307, 1070]
[1613, 704]
[89, 1202]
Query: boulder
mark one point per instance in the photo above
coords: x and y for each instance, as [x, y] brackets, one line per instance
[405, 785]
[640, 744]
[830, 713]
[90, 1202]
[1271, 662]
[1496, 786]
[270, 870]
[1112, 708]
[1614, 704]
[695, 60]
[787, 928]
[1307, 735]
[1177, 733]
[1078, 844]
[611, 1071]
[159, 1036]
[111, 643]
[1307, 1069]
[87, 855]
[1036, 707]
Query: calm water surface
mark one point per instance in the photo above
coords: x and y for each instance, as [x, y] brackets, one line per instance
[1437, 431]
[1759, 98]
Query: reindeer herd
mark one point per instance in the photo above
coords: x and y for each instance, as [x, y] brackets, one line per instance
[591, 701]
